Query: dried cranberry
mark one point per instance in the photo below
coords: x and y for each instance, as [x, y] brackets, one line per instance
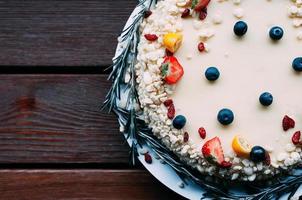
[185, 13]
[267, 160]
[186, 137]
[148, 158]
[288, 123]
[168, 102]
[147, 13]
[151, 37]
[171, 111]
[296, 137]
[202, 15]
[201, 47]
[202, 132]
[226, 164]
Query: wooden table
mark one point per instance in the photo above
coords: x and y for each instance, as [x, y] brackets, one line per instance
[54, 141]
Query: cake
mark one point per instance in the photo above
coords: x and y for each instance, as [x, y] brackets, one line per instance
[220, 84]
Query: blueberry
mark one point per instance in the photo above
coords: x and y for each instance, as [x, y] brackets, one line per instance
[240, 28]
[179, 122]
[225, 116]
[266, 98]
[257, 154]
[212, 73]
[276, 33]
[297, 64]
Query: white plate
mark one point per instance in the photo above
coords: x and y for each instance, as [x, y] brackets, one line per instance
[164, 173]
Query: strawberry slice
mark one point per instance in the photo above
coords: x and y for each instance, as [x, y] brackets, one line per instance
[201, 5]
[171, 70]
[212, 151]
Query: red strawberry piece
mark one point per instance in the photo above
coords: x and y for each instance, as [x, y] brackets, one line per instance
[171, 111]
[267, 160]
[296, 137]
[212, 151]
[147, 13]
[288, 123]
[225, 164]
[202, 15]
[171, 70]
[202, 132]
[148, 158]
[201, 47]
[201, 5]
[168, 102]
[185, 13]
[151, 37]
[186, 137]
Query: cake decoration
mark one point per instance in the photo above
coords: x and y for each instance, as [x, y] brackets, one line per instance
[240, 28]
[297, 64]
[179, 122]
[296, 138]
[276, 33]
[202, 132]
[241, 147]
[257, 154]
[225, 116]
[212, 73]
[171, 70]
[266, 99]
[288, 123]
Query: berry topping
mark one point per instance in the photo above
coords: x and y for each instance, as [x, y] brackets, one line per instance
[212, 151]
[185, 13]
[199, 5]
[202, 132]
[171, 111]
[276, 33]
[171, 70]
[202, 14]
[179, 122]
[225, 164]
[168, 102]
[240, 28]
[225, 116]
[266, 99]
[151, 37]
[172, 41]
[297, 64]
[267, 160]
[201, 47]
[296, 137]
[212, 73]
[147, 13]
[186, 137]
[169, 53]
[288, 123]
[258, 154]
[241, 147]
[148, 158]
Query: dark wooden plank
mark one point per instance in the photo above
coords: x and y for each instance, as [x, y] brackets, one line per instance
[61, 33]
[81, 184]
[57, 119]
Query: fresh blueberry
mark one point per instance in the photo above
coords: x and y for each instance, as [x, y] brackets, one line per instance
[257, 154]
[225, 116]
[276, 33]
[212, 73]
[179, 122]
[240, 28]
[266, 98]
[297, 64]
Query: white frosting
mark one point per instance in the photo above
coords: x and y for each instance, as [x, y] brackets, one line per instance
[254, 65]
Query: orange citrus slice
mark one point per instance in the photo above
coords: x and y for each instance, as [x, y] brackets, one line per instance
[241, 146]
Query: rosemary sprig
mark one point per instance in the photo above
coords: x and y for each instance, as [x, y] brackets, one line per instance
[138, 132]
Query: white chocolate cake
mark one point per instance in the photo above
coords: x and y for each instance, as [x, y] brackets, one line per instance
[220, 83]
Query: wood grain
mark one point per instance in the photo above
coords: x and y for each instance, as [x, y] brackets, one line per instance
[57, 119]
[61, 33]
[81, 185]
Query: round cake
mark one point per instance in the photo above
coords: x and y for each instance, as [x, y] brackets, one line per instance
[220, 84]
